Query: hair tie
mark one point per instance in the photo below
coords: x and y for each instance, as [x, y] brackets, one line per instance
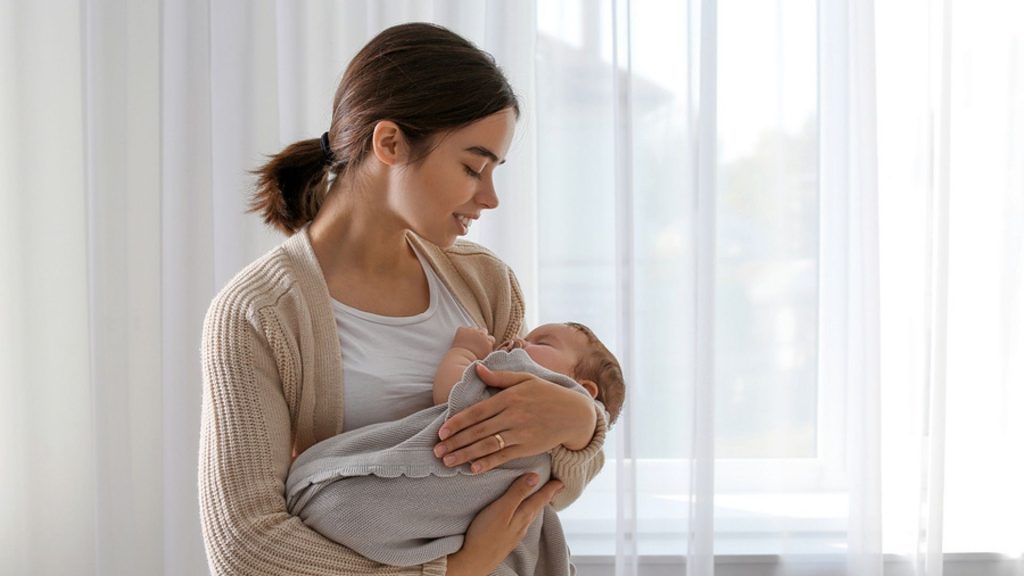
[325, 147]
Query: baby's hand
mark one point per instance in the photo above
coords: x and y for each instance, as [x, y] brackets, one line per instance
[476, 340]
[510, 345]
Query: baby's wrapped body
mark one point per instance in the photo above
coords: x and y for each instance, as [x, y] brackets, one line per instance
[380, 490]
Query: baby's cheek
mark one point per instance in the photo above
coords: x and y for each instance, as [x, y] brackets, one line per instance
[536, 353]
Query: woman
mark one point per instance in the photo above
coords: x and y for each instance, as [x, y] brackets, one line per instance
[373, 273]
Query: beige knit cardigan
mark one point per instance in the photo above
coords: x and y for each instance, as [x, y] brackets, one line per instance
[272, 384]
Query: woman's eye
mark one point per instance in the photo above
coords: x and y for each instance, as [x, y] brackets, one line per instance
[471, 172]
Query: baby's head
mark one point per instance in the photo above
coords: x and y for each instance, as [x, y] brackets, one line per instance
[573, 350]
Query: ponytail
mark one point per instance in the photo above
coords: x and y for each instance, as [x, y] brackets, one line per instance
[292, 186]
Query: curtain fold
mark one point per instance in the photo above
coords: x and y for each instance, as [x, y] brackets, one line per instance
[703, 123]
[928, 557]
[626, 533]
[187, 267]
[849, 277]
[121, 106]
[47, 427]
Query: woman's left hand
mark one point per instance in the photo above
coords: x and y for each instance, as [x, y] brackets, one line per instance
[530, 414]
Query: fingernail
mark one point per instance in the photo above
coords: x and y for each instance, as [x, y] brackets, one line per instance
[449, 460]
[440, 450]
[444, 433]
[475, 468]
[532, 480]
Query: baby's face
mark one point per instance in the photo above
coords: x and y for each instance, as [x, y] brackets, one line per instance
[556, 347]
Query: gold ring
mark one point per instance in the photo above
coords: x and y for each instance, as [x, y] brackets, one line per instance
[501, 441]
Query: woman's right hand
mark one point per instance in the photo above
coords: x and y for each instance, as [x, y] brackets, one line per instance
[497, 529]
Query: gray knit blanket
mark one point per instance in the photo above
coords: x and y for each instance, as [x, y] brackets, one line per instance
[380, 490]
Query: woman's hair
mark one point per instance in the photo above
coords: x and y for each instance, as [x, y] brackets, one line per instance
[601, 366]
[423, 77]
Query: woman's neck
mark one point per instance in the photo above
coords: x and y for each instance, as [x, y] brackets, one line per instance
[354, 234]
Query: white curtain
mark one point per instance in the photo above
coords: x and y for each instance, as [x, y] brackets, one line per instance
[797, 223]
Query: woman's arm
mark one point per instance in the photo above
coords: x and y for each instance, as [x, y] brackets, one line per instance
[245, 451]
[576, 468]
[533, 416]
[497, 529]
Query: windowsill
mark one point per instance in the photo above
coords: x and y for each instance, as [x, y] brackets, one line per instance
[745, 524]
[973, 564]
[763, 526]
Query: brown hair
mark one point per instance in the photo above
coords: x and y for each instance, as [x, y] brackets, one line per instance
[601, 366]
[423, 77]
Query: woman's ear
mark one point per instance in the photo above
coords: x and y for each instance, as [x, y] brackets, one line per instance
[389, 144]
[590, 387]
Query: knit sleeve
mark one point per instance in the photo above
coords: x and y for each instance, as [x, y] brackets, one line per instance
[517, 315]
[576, 468]
[245, 447]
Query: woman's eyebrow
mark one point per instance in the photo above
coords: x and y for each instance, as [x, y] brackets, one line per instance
[481, 151]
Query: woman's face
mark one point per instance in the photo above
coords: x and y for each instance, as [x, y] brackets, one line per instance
[442, 196]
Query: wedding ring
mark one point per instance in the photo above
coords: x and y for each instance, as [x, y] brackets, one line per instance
[501, 441]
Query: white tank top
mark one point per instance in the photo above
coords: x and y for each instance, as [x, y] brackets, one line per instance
[389, 362]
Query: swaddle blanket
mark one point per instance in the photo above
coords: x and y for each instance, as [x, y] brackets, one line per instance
[380, 490]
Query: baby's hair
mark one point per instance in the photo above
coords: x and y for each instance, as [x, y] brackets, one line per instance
[601, 366]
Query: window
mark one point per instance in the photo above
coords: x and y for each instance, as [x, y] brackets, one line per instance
[775, 448]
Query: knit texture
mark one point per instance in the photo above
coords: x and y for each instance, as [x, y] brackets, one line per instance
[381, 491]
[272, 384]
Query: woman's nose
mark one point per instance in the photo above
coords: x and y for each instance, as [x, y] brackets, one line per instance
[487, 196]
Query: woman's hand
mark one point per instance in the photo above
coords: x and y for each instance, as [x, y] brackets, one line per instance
[531, 415]
[498, 528]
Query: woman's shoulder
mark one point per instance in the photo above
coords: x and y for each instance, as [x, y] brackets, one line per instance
[259, 284]
[290, 268]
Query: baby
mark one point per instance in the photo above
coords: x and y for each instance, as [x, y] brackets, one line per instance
[380, 490]
[570, 349]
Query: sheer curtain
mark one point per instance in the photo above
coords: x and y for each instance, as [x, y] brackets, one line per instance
[797, 223]
[128, 130]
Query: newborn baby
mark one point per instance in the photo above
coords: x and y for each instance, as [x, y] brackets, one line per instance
[380, 490]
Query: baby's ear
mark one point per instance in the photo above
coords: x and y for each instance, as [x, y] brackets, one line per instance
[590, 386]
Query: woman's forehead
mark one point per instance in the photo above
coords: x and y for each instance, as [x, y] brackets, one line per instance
[492, 134]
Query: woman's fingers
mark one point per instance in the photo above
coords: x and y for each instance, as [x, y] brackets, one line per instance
[520, 490]
[481, 410]
[469, 417]
[487, 453]
[472, 443]
[501, 379]
[523, 502]
[495, 459]
[532, 505]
